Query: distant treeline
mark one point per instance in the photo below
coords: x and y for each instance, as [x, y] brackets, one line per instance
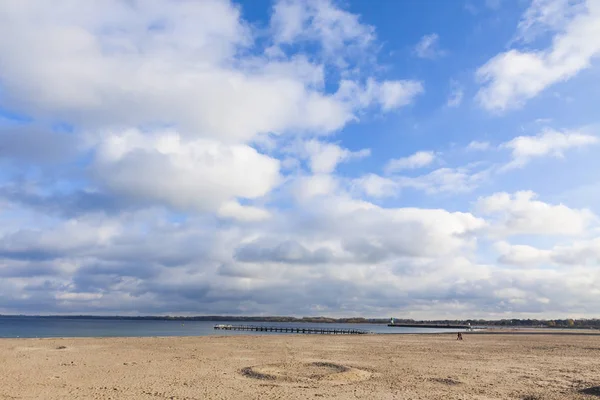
[537, 323]
[551, 323]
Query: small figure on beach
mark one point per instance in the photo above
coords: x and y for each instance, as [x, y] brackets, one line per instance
[459, 336]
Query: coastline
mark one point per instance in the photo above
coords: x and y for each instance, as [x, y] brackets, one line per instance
[490, 331]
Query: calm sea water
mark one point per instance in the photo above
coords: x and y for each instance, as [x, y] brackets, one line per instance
[32, 327]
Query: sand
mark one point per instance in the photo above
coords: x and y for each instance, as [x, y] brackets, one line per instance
[532, 367]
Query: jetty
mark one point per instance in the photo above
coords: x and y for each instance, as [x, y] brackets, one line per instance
[292, 329]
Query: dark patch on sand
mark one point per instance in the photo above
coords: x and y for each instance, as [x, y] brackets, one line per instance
[334, 367]
[309, 372]
[251, 373]
[592, 391]
[446, 381]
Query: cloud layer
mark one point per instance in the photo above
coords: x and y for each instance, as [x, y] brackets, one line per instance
[182, 157]
[513, 77]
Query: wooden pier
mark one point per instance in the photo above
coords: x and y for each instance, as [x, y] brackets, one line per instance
[288, 329]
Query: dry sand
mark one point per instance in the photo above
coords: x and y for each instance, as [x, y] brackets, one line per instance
[303, 367]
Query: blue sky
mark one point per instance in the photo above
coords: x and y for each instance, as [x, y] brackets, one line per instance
[428, 159]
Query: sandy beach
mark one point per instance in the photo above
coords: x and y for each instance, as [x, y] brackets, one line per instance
[303, 367]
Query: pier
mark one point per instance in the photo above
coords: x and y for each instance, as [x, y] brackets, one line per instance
[288, 329]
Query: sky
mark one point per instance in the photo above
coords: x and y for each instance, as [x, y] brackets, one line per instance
[417, 159]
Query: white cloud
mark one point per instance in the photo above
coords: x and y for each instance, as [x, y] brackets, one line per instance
[324, 157]
[331, 248]
[308, 187]
[192, 175]
[547, 143]
[320, 21]
[366, 228]
[578, 253]
[388, 94]
[451, 180]
[233, 209]
[62, 237]
[394, 94]
[122, 73]
[478, 146]
[456, 94]
[547, 15]
[419, 159]
[511, 294]
[376, 186]
[521, 214]
[428, 47]
[184, 106]
[521, 255]
[513, 77]
[104, 67]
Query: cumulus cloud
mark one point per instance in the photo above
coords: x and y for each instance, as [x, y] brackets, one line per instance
[199, 174]
[388, 94]
[376, 186]
[521, 214]
[349, 231]
[58, 240]
[179, 163]
[428, 47]
[521, 255]
[578, 253]
[173, 107]
[511, 78]
[283, 252]
[324, 157]
[233, 209]
[545, 16]
[319, 21]
[419, 159]
[547, 143]
[189, 71]
[336, 244]
[306, 187]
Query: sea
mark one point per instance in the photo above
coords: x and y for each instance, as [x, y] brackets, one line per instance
[39, 327]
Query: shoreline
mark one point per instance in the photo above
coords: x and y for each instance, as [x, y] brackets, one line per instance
[511, 332]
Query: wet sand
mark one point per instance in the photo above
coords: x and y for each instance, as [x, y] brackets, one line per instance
[524, 367]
